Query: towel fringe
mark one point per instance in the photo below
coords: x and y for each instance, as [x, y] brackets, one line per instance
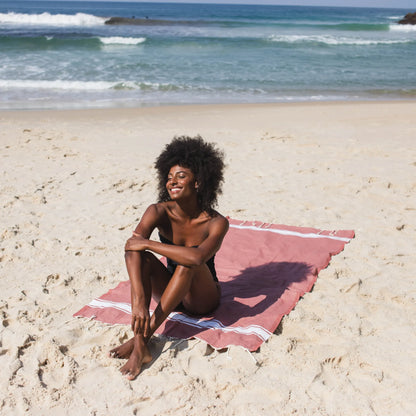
[245, 349]
[252, 356]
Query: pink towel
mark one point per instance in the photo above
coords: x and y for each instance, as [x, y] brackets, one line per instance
[263, 270]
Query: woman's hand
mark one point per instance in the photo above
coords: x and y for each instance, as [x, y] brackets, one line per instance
[140, 320]
[136, 243]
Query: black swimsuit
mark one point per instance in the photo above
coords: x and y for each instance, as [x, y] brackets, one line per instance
[171, 265]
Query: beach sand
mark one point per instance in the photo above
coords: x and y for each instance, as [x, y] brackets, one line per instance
[75, 183]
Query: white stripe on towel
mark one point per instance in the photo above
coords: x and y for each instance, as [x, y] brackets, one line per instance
[292, 233]
[257, 330]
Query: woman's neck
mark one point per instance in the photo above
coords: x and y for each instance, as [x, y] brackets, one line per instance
[187, 210]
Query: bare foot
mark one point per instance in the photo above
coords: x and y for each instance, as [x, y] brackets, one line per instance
[123, 350]
[139, 356]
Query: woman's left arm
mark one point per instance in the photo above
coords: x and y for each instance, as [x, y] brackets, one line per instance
[187, 256]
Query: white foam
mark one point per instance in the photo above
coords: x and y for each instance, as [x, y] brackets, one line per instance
[331, 40]
[79, 19]
[84, 85]
[118, 40]
[144, 86]
[403, 28]
[58, 85]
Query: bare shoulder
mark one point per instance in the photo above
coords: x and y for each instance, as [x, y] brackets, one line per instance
[154, 215]
[159, 208]
[162, 212]
[219, 223]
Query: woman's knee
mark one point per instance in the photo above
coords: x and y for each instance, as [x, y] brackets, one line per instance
[137, 256]
[184, 271]
[131, 255]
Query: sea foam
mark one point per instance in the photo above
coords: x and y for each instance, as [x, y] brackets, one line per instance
[56, 84]
[332, 40]
[87, 85]
[121, 40]
[403, 28]
[78, 19]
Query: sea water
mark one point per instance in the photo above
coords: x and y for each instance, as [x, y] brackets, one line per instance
[63, 55]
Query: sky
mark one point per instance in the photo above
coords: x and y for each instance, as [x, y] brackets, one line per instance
[405, 4]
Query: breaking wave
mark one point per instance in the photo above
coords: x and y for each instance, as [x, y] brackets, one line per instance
[119, 40]
[89, 85]
[78, 19]
[332, 40]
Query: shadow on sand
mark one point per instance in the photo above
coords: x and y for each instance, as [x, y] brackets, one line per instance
[253, 291]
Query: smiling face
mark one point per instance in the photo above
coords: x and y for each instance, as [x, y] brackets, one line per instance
[181, 183]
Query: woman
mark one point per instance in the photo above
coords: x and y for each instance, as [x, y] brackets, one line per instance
[190, 173]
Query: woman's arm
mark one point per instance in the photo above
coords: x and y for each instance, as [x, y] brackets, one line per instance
[151, 219]
[187, 256]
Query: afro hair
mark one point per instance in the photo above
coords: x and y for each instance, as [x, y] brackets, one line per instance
[204, 160]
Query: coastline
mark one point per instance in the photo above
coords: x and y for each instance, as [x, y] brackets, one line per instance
[76, 183]
[173, 106]
[209, 106]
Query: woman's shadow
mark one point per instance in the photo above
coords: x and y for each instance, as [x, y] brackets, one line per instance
[253, 291]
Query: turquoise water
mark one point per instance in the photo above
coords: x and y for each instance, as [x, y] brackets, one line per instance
[63, 55]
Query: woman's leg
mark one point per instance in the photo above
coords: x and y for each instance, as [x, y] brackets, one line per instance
[194, 287]
[199, 294]
[143, 268]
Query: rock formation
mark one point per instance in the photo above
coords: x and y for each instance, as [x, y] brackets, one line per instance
[409, 19]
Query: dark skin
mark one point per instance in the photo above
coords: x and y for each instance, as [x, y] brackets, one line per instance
[196, 237]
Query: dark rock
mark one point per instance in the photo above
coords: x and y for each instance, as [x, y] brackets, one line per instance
[123, 21]
[143, 22]
[409, 19]
[146, 21]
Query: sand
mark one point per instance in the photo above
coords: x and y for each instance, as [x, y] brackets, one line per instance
[75, 183]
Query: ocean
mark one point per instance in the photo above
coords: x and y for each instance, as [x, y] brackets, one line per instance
[62, 54]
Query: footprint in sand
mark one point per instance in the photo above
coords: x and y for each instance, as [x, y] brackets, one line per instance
[55, 368]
